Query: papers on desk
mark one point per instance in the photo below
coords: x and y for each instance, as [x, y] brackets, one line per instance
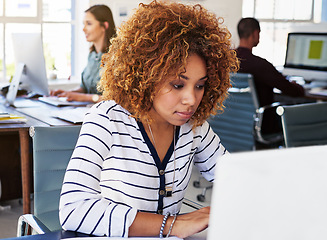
[12, 118]
[4, 115]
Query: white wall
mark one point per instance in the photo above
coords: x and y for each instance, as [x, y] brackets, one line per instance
[121, 9]
[230, 10]
[310, 27]
[80, 44]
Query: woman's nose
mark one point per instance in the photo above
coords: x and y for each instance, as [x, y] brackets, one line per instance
[189, 97]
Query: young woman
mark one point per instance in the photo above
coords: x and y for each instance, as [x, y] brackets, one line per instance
[99, 28]
[165, 73]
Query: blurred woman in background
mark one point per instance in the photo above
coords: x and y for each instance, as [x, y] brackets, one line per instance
[99, 27]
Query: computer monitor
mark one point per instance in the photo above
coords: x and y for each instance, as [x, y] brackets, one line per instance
[306, 56]
[28, 50]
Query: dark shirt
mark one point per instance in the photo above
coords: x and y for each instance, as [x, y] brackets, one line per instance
[266, 78]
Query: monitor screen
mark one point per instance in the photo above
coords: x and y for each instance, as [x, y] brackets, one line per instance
[28, 50]
[306, 55]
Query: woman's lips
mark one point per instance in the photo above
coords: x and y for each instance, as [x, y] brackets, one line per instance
[185, 115]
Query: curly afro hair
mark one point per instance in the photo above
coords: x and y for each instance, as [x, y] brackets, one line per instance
[154, 43]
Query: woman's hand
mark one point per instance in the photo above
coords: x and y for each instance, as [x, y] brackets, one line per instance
[191, 223]
[75, 96]
[72, 95]
[56, 92]
[148, 224]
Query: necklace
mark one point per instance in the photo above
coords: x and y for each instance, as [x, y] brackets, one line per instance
[169, 190]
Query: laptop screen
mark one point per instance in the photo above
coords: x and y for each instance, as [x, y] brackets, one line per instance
[271, 194]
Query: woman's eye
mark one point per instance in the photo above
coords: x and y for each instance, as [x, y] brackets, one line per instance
[177, 86]
[200, 86]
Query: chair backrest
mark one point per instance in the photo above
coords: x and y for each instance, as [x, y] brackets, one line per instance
[52, 149]
[235, 125]
[304, 124]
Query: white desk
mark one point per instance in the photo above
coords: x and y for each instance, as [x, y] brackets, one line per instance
[77, 236]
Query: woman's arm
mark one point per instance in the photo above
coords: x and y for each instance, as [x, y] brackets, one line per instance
[81, 97]
[209, 152]
[58, 92]
[76, 95]
[149, 224]
[83, 207]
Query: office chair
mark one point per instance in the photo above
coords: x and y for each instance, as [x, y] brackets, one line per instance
[52, 149]
[304, 124]
[239, 126]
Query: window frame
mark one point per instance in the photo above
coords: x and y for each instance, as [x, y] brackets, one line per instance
[277, 53]
[273, 19]
[38, 19]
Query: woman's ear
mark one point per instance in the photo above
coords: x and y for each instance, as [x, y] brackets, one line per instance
[106, 25]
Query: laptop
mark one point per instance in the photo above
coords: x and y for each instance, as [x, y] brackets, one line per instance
[272, 194]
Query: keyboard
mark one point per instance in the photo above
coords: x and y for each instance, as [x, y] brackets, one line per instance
[72, 115]
[61, 101]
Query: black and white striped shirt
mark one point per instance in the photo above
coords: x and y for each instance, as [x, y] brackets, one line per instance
[115, 171]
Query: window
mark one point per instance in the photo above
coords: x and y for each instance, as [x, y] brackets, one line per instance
[277, 18]
[54, 19]
[280, 9]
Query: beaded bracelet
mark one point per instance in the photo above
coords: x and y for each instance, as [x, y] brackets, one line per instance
[171, 226]
[163, 224]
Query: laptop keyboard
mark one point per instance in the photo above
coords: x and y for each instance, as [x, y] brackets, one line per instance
[73, 115]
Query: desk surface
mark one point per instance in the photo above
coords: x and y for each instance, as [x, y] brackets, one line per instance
[67, 234]
[30, 120]
[37, 114]
[50, 236]
[316, 94]
[313, 94]
[39, 111]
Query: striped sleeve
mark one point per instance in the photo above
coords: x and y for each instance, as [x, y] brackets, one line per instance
[82, 206]
[208, 152]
